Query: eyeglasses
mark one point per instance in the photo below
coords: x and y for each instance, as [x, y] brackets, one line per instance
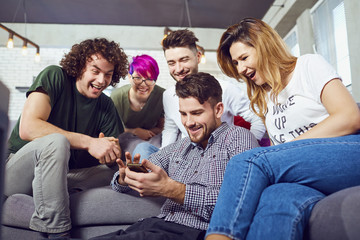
[139, 80]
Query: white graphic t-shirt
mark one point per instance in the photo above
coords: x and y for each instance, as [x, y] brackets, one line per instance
[299, 105]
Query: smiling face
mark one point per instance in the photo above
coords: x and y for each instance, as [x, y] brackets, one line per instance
[245, 59]
[200, 120]
[182, 61]
[141, 91]
[96, 77]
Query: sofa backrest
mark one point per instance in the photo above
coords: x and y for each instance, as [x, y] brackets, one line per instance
[4, 121]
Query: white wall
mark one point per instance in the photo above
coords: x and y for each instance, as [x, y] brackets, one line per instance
[352, 9]
[129, 37]
[17, 70]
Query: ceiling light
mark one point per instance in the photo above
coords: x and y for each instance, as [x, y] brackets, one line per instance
[202, 50]
[37, 56]
[167, 31]
[24, 48]
[10, 43]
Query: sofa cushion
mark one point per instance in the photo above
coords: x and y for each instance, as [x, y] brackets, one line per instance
[17, 210]
[104, 206]
[97, 206]
[336, 217]
[13, 233]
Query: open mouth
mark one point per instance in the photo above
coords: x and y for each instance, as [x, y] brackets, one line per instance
[96, 86]
[194, 130]
[182, 75]
[252, 75]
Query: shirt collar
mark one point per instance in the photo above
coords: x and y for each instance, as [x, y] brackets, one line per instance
[214, 135]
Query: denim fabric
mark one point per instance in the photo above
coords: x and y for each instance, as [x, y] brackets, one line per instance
[281, 207]
[145, 149]
[324, 164]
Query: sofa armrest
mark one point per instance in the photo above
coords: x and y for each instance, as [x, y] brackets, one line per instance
[337, 216]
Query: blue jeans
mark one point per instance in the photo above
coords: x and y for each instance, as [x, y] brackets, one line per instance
[145, 149]
[324, 164]
[290, 210]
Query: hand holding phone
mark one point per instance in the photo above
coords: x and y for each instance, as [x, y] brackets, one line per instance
[137, 167]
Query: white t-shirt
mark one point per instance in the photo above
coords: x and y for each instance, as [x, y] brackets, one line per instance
[299, 105]
[236, 103]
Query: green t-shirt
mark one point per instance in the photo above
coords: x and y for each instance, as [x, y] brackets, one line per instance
[71, 111]
[147, 117]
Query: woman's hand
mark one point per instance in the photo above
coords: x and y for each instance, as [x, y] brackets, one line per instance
[144, 134]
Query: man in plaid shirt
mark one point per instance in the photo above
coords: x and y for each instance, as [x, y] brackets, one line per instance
[189, 172]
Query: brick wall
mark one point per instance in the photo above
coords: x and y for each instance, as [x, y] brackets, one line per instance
[17, 70]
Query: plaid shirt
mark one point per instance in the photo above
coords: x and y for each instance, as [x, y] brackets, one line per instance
[201, 170]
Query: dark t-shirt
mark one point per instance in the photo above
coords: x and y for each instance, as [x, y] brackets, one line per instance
[149, 115]
[71, 111]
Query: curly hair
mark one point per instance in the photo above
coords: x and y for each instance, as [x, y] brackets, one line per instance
[180, 38]
[202, 86]
[74, 62]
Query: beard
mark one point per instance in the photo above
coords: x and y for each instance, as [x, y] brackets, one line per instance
[201, 136]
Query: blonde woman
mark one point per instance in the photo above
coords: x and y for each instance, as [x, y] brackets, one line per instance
[311, 119]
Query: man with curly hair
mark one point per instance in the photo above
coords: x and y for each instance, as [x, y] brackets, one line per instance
[67, 123]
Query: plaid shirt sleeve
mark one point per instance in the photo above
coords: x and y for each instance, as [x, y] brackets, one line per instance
[116, 186]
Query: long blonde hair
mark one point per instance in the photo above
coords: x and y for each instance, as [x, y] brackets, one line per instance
[275, 62]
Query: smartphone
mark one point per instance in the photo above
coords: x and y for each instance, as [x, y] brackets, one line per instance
[137, 167]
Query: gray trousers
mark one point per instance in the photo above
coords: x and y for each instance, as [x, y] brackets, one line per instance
[40, 168]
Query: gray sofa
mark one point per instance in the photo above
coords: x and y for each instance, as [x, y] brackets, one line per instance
[93, 212]
[101, 210]
[336, 217]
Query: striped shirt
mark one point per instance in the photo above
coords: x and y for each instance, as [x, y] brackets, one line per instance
[201, 170]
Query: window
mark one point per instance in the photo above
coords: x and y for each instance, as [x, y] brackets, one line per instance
[292, 42]
[330, 34]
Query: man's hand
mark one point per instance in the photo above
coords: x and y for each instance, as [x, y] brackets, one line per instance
[106, 149]
[122, 167]
[155, 183]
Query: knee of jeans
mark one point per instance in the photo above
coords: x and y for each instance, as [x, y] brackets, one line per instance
[143, 145]
[54, 147]
[57, 142]
[273, 192]
[60, 140]
[289, 192]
